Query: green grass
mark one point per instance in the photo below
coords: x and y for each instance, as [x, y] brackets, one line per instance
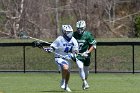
[49, 83]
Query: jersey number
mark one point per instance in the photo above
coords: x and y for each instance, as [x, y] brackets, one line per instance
[80, 45]
[68, 49]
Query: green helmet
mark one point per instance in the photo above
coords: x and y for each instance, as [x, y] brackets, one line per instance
[81, 26]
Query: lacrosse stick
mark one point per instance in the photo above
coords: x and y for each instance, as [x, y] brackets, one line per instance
[67, 57]
[24, 35]
[38, 40]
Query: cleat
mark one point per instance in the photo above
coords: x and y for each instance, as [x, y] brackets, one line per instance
[62, 85]
[67, 89]
[85, 86]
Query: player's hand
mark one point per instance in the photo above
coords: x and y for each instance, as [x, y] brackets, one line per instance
[85, 54]
[49, 50]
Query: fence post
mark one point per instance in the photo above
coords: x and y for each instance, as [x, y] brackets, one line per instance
[133, 59]
[95, 60]
[24, 58]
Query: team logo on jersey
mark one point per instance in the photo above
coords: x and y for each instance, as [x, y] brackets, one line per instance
[68, 47]
[81, 41]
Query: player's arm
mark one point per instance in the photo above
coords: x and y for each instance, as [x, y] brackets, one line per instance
[91, 49]
[92, 45]
[53, 46]
[75, 49]
[85, 54]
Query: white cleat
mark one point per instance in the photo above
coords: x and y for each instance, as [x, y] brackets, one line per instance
[65, 86]
[85, 86]
[62, 85]
[67, 89]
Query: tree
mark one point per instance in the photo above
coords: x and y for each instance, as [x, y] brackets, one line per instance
[13, 11]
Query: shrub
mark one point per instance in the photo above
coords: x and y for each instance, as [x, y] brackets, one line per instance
[137, 26]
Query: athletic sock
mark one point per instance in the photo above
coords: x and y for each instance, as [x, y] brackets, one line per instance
[82, 74]
[86, 70]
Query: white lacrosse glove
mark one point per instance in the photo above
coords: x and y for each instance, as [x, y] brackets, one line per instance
[49, 50]
[85, 54]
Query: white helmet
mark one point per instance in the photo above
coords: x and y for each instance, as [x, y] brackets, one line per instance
[81, 26]
[67, 32]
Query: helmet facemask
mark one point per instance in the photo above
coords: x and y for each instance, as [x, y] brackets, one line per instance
[80, 30]
[69, 34]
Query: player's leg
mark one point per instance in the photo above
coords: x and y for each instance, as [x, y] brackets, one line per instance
[86, 67]
[81, 68]
[62, 84]
[59, 61]
[82, 73]
[86, 70]
[65, 66]
[66, 76]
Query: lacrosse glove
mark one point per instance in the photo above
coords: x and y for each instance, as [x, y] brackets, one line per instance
[37, 44]
[85, 54]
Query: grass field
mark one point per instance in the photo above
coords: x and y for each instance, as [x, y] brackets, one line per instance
[49, 83]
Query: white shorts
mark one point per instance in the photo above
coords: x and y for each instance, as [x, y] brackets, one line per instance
[60, 62]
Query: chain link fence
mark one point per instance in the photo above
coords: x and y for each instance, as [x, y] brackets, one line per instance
[109, 57]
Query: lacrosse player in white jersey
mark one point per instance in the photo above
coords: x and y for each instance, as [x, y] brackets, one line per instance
[67, 46]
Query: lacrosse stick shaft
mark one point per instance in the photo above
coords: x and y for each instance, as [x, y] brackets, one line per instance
[24, 35]
[61, 56]
[39, 40]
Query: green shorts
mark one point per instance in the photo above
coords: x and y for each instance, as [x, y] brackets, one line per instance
[86, 61]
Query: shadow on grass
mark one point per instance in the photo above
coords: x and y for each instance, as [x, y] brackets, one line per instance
[57, 91]
[52, 91]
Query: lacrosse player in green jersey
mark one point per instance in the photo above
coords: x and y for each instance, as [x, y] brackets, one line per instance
[87, 44]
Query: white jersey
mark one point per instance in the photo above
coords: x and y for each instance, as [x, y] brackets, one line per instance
[63, 47]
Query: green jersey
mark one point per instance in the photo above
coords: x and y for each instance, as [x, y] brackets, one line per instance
[85, 41]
